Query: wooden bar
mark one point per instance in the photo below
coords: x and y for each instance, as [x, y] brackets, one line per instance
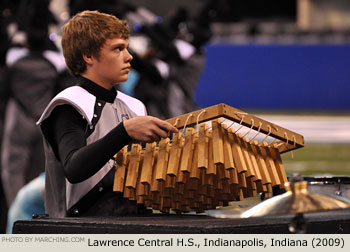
[228, 158]
[248, 162]
[141, 189]
[275, 181]
[155, 185]
[222, 110]
[163, 157]
[203, 146]
[279, 165]
[187, 150]
[242, 180]
[146, 174]
[233, 177]
[179, 174]
[175, 153]
[133, 167]
[253, 159]
[265, 176]
[211, 167]
[170, 182]
[121, 165]
[237, 153]
[195, 171]
[218, 145]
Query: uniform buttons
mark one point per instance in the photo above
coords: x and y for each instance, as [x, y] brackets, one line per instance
[100, 189]
[91, 126]
[95, 115]
[99, 104]
[76, 211]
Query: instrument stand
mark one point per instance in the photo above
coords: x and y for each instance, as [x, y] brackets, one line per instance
[298, 224]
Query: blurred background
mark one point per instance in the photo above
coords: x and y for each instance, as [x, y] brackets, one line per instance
[284, 61]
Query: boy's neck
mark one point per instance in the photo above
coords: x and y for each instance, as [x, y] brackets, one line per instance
[97, 81]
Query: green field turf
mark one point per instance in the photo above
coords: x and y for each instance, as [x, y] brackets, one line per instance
[319, 159]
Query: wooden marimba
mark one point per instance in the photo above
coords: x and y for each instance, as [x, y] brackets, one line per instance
[207, 166]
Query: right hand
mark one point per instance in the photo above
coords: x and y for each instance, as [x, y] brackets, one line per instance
[148, 128]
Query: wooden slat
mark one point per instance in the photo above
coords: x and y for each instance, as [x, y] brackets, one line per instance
[133, 167]
[195, 171]
[155, 185]
[187, 150]
[265, 176]
[233, 177]
[141, 189]
[279, 165]
[248, 162]
[211, 167]
[170, 182]
[228, 158]
[202, 146]
[253, 159]
[242, 180]
[270, 164]
[180, 175]
[237, 152]
[163, 157]
[146, 174]
[218, 145]
[121, 164]
[174, 155]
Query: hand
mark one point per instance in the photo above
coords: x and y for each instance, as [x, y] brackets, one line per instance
[148, 128]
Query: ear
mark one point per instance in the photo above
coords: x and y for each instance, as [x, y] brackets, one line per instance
[88, 59]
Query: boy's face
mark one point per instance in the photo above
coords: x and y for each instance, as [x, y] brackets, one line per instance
[113, 63]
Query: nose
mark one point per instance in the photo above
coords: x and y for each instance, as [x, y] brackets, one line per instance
[129, 57]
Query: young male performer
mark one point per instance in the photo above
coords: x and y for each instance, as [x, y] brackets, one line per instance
[85, 125]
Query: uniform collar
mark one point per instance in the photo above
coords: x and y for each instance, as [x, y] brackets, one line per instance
[98, 91]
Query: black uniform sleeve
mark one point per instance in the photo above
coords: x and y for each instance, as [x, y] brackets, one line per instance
[66, 133]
